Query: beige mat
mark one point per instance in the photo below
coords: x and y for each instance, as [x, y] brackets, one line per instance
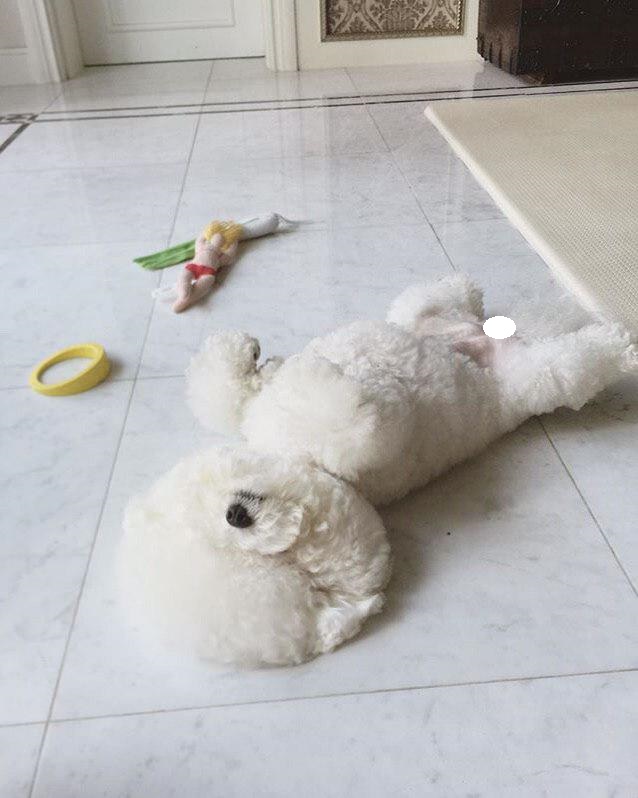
[564, 169]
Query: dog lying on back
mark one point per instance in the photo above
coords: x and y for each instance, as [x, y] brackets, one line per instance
[272, 552]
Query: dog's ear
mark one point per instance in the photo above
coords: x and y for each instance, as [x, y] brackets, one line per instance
[276, 532]
[311, 408]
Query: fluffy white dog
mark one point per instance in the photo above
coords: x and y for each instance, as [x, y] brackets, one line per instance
[273, 553]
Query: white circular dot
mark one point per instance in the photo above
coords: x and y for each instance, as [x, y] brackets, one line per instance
[499, 327]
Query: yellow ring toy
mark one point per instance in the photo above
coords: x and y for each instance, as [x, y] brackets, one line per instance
[88, 378]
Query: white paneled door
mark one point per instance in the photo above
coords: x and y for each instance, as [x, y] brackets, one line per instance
[128, 31]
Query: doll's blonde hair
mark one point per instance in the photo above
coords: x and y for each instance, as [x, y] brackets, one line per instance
[230, 232]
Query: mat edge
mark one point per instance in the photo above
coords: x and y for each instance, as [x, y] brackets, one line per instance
[511, 212]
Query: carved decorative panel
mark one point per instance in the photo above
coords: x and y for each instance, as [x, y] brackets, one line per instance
[385, 19]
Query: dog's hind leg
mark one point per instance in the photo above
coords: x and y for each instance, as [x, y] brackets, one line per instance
[566, 371]
[452, 297]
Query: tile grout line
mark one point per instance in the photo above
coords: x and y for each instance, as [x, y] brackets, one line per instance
[174, 220]
[588, 507]
[311, 228]
[133, 384]
[20, 723]
[8, 141]
[350, 693]
[76, 604]
[411, 189]
[353, 83]
[111, 381]
[53, 99]
[26, 124]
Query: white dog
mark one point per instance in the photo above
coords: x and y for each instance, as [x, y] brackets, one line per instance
[273, 553]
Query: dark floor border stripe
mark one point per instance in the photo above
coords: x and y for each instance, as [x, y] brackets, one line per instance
[14, 136]
[356, 96]
[359, 96]
[362, 102]
[204, 105]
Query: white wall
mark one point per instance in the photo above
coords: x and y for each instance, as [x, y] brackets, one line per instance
[313, 53]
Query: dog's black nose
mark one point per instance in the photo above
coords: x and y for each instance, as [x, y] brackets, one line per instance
[237, 515]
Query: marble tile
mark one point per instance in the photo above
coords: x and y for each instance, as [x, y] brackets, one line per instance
[445, 188]
[430, 77]
[105, 298]
[19, 747]
[313, 84]
[76, 100]
[353, 191]
[571, 736]
[599, 446]
[517, 282]
[101, 142]
[240, 68]
[31, 98]
[75, 206]
[158, 76]
[347, 274]
[499, 573]
[405, 128]
[286, 134]
[57, 455]
[6, 131]
[135, 85]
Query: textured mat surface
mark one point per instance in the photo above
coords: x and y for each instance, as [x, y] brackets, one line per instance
[564, 169]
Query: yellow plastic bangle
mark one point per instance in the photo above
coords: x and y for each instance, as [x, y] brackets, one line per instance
[92, 375]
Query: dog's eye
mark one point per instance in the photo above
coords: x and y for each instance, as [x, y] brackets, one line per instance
[247, 496]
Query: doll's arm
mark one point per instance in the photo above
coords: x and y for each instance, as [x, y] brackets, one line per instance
[227, 257]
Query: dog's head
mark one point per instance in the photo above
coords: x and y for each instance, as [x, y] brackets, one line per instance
[238, 500]
[225, 553]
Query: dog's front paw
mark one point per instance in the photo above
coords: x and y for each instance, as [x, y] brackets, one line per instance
[221, 378]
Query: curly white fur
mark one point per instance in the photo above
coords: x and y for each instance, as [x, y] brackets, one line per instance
[359, 417]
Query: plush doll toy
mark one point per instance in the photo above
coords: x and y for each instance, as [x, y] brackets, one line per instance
[272, 552]
[215, 247]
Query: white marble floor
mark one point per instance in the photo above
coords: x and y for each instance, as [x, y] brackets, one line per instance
[506, 663]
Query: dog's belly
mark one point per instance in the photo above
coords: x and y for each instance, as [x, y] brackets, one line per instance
[441, 406]
[445, 434]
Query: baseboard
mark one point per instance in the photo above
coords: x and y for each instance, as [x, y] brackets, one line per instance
[15, 66]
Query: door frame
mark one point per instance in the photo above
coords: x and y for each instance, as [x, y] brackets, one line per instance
[280, 34]
[53, 40]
